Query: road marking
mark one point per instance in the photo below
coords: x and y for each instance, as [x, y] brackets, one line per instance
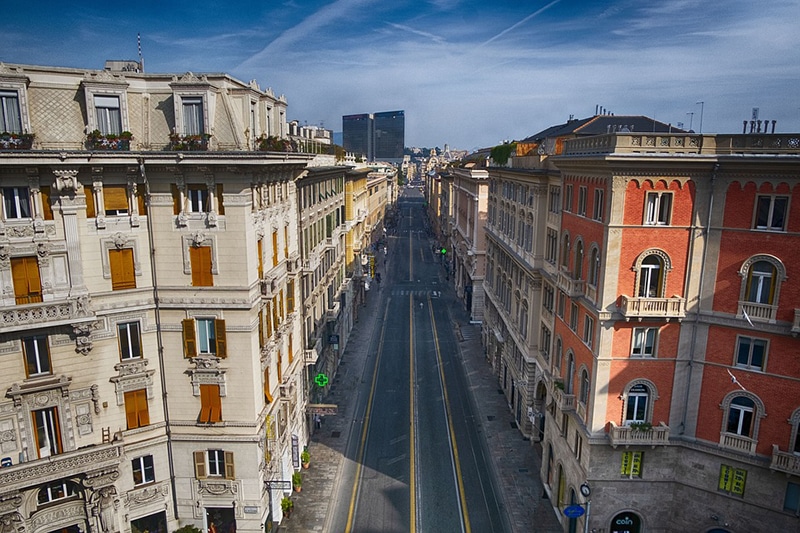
[412, 435]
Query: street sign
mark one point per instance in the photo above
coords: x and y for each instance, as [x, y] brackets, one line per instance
[574, 511]
[327, 409]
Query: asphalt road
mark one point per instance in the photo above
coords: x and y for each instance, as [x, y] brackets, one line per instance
[418, 464]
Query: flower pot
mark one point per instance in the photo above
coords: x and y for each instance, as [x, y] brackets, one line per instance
[298, 488]
[306, 465]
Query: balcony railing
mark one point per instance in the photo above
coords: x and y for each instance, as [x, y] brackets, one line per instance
[796, 323]
[573, 287]
[591, 292]
[564, 401]
[737, 442]
[785, 461]
[628, 436]
[39, 314]
[652, 307]
[758, 312]
[189, 143]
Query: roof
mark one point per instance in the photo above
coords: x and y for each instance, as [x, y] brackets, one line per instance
[602, 124]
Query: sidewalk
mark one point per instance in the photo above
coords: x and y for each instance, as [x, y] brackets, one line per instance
[516, 462]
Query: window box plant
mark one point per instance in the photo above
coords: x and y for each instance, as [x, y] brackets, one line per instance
[189, 143]
[16, 141]
[110, 141]
[275, 144]
[640, 426]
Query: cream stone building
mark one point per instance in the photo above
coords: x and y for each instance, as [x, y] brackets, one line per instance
[156, 266]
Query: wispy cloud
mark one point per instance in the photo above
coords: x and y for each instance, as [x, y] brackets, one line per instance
[521, 22]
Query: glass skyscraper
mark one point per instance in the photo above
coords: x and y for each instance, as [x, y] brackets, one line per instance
[378, 136]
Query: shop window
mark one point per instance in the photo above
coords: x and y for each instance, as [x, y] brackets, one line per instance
[732, 480]
[631, 464]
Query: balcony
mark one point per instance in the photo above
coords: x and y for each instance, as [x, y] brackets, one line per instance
[61, 312]
[739, 443]
[573, 287]
[16, 141]
[97, 141]
[786, 462]
[628, 436]
[759, 312]
[189, 143]
[312, 353]
[564, 401]
[591, 293]
[652, 307]
[796, 323]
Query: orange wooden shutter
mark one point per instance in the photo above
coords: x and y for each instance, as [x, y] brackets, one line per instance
[290, 296]
[189, 341]
[286, 241]
[222, 338]
[141, 200]
[200, 257]
[47, 209]
[115, 197]
[260, 258]
[91, 212]
[215, 414]
[27, 285]
[275, 248]
[267, 393]
[122, 269]
[200, 465]
[130, 409]
[291, 348]
[205, 404]
[142, 408]
[176, 200]
[261, 328]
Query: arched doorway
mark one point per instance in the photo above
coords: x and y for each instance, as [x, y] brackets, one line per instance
[626, 522]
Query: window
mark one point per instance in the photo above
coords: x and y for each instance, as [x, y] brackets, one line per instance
[582, 194]
[573, 317]
[588, 330]
[732, 480]
[644, 342]
[636, 404]
[552, 245]
[568, 384]
[209, 338]
[201, 264]
[791, 500]
[193, 115]
[545, 341]
[17, 202]
[123, 274]
[578, 267]
[210, 404]
[578, 445]
[568, 198]
[594, 267]
[27, 284]
[47, 432]
[37, 356]
[750, 353]
[632, 464]
[565, 252]
[562, 303]
[558, 354]
[115, 200]
[650, 277]
[290, 296]
[761, 283]
[584, 392]
[143, 471]
[740, 416]
[198, 199]
[658, 208]
[598, 206]
[555, 200]
[548, 297]
[56, 490]
[130, 344]
[9, 112]
[137, 413]
[771, 212]
[214, 463]
[109, 118]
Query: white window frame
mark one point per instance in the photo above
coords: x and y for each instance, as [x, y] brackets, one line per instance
[10, 110]
[598, 207]
[632, 401]
[107, 89]
[583, 195]
[52, 428]
[206, 336]
[215, 458]
[752, 341]
[658, 208]
[193, 115]
[131, 341]
[108, 113]
[67, 487]
[588, 330]
[15, 201]
[36, 346]
[742, 411]
[771, 198]
[639, 341]
[145, 466]
[568, 198]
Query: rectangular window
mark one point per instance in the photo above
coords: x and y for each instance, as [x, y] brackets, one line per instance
[210, 337]
[17, 202]
[562, 302]
[115, 200]
[290, 296]
[771, 212]
[732, 480]
[9, 112]
[130, 342]
[545, 342]
[548, 297]
[37, 355]
[555, 200]
[658, 208]
[47, 432]
[791, 500]
[198, 199]
[578, 444]
[143, 470]
[193, 115]
[644, 342]
[632, 464]
[200, 260]
[214, 463]
[573, 317]
[588, 330]
[123, 275]
[206, 335]
[27, 284]
[750, 353]
[137, 412]
[568, 198]
[552, 245]
[210, 404]
[598, 206]
[109, 118]
[582, 194]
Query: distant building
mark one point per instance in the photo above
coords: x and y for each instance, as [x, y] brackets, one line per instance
[378, 136]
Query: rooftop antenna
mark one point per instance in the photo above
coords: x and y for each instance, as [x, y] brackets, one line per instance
[139, 45]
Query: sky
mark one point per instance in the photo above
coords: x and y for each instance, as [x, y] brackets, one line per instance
[470, 74]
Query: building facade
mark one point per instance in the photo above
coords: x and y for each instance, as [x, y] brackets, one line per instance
[155, 268]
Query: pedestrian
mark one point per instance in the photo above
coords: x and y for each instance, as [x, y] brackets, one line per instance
[317, 421]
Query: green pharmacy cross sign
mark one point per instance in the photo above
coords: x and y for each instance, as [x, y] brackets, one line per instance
[321, 380]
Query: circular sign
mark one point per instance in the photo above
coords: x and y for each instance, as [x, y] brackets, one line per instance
[574, 511]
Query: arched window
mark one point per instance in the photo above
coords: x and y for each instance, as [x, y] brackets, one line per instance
[550, 465]
[565, 252]
[523, 320]
[740, 416]
[558, 355]
[637, 401]
[650, 277]
[762, 276]
[794, 443]
[584, 396]
[569, 378]
[594, 267]
[578, 271]
[761, 283]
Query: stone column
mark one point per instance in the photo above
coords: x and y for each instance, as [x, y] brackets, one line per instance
[70, 200]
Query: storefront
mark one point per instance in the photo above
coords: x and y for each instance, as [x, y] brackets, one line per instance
[626, 522]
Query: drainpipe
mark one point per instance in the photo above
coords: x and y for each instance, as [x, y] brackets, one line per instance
[707, 232]
[161, 365]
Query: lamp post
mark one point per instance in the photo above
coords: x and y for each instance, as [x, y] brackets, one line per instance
[702, 107]
[586, 490]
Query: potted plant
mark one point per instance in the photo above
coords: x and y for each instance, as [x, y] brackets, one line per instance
[286, 506]
[189, 528]
[305, 458]
[16, 141]
[297, 481]
[640, 426]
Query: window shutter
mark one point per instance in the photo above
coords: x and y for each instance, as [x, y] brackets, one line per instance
[267, 393]
[200, 465]
[286, 242]
[220, 204]
[115, 197]
[261, 328]
[141, 200]
[222, 340]
[215, 414]
[205, 404]
[291, 348]
[260, 251]
[200, 258]
[189, 341]
[130, 410]
[176, 200]
[143, 410]
[25, 275]
[122, 269]
[47, 209]
[275, 248]
[230, 473]
[91, 212]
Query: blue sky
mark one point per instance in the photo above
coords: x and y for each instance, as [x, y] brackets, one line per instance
[467, 73]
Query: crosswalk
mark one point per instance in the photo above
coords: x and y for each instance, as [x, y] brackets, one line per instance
[417, 292]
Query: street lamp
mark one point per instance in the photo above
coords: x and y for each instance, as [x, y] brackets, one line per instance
[586, 490]
[702, 107]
